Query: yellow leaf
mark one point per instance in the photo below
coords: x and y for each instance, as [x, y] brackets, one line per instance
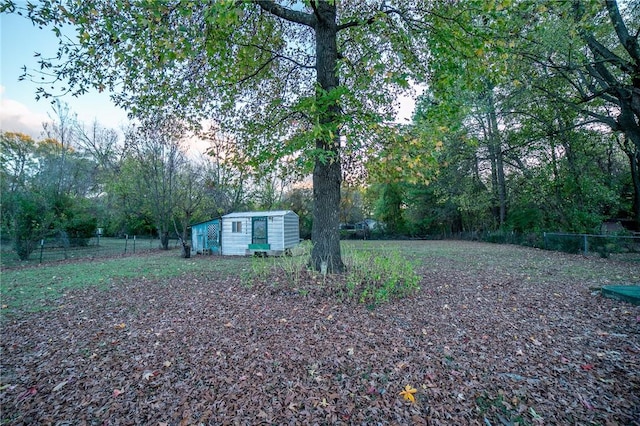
[119, 326]
[408, 392]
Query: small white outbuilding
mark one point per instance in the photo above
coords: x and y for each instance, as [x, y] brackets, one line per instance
[270, 232]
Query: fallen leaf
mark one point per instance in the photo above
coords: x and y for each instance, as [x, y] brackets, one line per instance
[59, 386]
[119, 326]
[29, 392]
[117, 393]
[587, 367]
[408, 392]
[167, 363]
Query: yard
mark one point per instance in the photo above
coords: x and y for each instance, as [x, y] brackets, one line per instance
[496, 335]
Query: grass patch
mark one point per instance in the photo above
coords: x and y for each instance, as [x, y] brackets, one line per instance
[377, 271]
[32, 289]
[377, 279]
[372, 276]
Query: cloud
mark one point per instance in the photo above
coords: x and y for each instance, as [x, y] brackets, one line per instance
[16, 117]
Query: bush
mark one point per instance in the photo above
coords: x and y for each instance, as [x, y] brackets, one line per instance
[374, 279]
[371, 279]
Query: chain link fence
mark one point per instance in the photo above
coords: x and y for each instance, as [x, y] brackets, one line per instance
[617, 246]
[57, 249]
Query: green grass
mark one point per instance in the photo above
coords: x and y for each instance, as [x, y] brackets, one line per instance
[36, 288]
[52, 253]
[31, 288]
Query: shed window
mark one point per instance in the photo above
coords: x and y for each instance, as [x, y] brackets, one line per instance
[236, 227]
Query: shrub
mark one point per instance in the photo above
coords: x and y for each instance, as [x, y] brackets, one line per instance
[375, 279]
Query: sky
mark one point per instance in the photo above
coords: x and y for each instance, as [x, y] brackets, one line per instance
[19, 110]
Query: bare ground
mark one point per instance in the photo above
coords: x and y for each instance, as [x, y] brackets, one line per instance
[482, 345]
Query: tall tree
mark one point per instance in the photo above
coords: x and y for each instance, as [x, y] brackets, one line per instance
[289, 78]
[593, 47]
[159, 156]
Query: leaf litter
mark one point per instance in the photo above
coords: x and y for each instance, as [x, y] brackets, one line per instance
[473, 346]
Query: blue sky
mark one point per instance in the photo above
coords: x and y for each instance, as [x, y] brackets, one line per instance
[19, 111]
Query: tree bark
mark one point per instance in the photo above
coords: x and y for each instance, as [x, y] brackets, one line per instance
[633, 154]
[634, 160]
[325, 233]
[164, 240]
[497, 160]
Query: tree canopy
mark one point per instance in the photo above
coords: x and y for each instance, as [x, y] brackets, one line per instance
[304, 80]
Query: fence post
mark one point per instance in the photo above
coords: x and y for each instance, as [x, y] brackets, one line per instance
[544, 240]
[586, 244]
[134, 244]
[126, 240]
[41, 249]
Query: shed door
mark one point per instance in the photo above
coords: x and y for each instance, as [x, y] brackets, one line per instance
[259, 230]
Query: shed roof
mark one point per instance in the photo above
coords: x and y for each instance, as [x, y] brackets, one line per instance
[258, 214]
[204, 221]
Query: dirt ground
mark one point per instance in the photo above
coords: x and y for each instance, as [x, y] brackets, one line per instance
[481, 345]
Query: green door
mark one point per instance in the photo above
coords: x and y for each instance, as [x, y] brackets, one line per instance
[259, 233]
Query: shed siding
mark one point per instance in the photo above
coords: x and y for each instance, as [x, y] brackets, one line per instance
[282, 231]
[196, 238]
[291, 233]
[275, 230]
[236, 243]
[203, 238]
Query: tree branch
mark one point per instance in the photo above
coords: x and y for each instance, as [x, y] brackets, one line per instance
[383, 9]
[630, 43]
[287, 14]
[276, 55]
[598, 49]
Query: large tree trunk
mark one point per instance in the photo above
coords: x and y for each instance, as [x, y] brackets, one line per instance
[633, 154]
[497, 161]
[634, 161]
[164, 240]
[325, 233]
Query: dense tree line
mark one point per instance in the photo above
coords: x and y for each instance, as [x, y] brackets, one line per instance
[136, 181]
[529, 121]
